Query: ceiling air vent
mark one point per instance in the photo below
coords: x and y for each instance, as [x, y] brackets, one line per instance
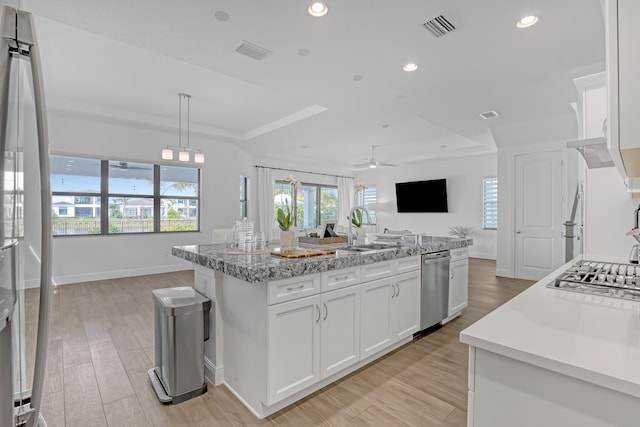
[439, 26]
[252, 51]
[489, 115]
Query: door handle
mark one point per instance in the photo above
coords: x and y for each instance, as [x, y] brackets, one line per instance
[518, 231]
[318, 308]
[326, 311]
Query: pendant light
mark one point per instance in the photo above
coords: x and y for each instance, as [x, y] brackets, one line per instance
[183, 152]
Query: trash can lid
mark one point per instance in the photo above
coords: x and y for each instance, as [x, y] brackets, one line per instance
[183, 296]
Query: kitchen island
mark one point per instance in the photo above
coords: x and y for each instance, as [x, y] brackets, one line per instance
[285, 328]
[552, 357]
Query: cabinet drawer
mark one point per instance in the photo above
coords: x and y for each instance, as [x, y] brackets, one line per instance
[293, 288]
[338, 279]
[459, 253]
[402, 265]
[377, 270]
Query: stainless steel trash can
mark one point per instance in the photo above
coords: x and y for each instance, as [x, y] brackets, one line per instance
[181, 323]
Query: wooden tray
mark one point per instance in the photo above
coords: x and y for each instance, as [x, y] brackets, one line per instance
[301, 252]
[322, 240]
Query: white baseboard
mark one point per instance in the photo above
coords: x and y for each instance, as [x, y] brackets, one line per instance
[481, 254]
[500, 272]
[213, 373]
[104, 275]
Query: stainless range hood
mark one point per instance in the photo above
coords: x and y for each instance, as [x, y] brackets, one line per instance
[594, 151]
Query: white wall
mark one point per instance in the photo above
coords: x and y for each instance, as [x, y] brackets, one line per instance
[93, 258]
[608, 215]
[464, 187]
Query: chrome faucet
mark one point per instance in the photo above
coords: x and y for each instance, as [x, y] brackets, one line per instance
[349, 229]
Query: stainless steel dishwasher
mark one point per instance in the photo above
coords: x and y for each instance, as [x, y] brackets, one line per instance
[434, 303]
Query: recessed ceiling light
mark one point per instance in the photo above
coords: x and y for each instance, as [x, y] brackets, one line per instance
[221, 15]
[527, 21]
[410, 67]
[318, 9]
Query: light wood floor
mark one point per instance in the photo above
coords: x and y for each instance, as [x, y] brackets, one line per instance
[101, 347]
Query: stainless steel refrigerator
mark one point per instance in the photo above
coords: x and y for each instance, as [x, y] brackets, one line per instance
[25, 220]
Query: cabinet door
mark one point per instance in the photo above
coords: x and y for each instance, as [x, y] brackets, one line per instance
[339, 330]
[293, 347]
[375, 315]
[458, 286]
[405, 305]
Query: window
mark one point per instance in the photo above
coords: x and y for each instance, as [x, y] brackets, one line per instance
[315, 203]
[490, 203]
[243, 197]
[179, 214]
[367, 198]
[74, 181]
[131, 193]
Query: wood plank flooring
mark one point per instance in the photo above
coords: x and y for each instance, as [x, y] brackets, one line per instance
[101, 347]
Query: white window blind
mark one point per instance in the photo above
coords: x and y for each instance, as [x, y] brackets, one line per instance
[490, 203]
[366, 198]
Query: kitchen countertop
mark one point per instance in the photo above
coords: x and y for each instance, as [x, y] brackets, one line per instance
[589, 337]
[262, 267]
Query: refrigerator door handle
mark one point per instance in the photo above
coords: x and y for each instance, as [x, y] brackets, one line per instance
[27, 34]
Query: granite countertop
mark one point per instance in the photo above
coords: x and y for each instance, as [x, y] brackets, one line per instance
[262, 267]
[590, 337]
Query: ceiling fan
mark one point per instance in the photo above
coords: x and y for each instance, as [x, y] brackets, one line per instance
[373, 163]
[125, 166]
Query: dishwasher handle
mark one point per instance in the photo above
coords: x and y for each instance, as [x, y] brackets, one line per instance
[435, 257]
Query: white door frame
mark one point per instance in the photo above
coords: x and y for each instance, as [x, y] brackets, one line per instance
[505, 263]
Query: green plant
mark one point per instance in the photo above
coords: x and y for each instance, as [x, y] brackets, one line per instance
[284, 220]
[356, 218]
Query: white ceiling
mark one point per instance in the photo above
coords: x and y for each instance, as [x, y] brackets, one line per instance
[131, 58]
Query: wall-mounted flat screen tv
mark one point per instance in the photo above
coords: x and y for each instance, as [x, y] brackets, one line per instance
[422, 196]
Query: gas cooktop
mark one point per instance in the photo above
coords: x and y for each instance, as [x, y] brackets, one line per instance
[601, 278]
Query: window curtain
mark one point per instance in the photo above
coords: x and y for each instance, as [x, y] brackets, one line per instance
[265, 194]
[345, 200]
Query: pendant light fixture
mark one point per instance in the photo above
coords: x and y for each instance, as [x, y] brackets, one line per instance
[183, 152]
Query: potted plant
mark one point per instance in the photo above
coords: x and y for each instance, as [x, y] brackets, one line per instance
[285, 222]
[356, 221]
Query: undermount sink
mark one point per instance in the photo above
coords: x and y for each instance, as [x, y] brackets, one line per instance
[368, 248]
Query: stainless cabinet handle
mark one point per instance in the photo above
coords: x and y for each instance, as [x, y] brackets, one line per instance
[394, 291]
[341, 278]
[398, 286]
[295, 288]
[326, 311]
[453, 274]
[518, 231]
[604, 128]
[318, 308]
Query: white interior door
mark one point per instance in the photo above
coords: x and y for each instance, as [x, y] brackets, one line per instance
[538, 222]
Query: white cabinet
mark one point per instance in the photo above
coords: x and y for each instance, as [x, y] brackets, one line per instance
[339, 330]
[390, 311]
[405, 306]
[458, 282]
[623, 66]
[296, 335]
[311, 338]
[293, 347]
[375, 310]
